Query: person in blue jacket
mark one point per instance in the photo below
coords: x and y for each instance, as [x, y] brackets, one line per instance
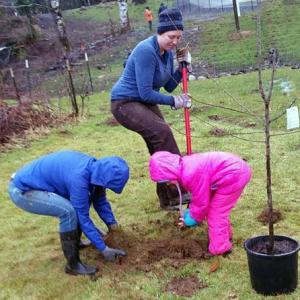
[64, 184]
[136, 95]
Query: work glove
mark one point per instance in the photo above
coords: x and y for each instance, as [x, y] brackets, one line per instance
[183, 55]
[111, 254]
[182, 101]
[189, 221]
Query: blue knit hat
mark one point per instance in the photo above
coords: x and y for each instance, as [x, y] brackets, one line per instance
[170, 19]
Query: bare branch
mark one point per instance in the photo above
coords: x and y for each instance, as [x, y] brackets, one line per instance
[236, 101]
[273, 60]
[223, 107]
[284, 112]
[286, 133]
[259, 57]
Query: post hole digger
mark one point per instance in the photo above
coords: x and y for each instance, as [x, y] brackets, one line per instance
[184, 59]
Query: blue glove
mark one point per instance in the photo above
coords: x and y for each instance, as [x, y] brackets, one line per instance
[188, 220]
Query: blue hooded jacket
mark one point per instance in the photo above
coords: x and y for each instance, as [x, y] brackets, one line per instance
[80, 178]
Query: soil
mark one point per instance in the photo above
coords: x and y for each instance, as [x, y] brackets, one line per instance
[217, 132]
[45, 54]
[215, 117]
[280, 247]
[174, 249]
[264, 216]
[186, 286]
[236, 36]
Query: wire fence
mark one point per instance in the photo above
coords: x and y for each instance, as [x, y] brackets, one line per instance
[211, 8]
[42, 71]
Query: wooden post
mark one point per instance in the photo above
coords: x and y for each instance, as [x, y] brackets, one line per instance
[12, 75]
[28, 77]
[89, 70]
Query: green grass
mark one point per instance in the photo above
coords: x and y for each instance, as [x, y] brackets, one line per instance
[280, 20]
[31, 260]
[109, 12]
[280, 29]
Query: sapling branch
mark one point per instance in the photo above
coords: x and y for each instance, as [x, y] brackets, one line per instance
[284, 112]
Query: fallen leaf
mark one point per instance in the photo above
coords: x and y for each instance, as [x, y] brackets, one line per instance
[214, 266]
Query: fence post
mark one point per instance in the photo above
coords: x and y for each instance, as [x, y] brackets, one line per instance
[12, 75]
[28, 77]
[89, 70]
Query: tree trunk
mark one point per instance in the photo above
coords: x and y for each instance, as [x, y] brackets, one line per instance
[123, 11]
[57, 16]
[236, 17]
[269, 176]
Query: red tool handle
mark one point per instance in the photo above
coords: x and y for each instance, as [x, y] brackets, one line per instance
[186, 110]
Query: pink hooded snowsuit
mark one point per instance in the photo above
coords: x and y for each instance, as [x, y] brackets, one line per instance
[215, 180]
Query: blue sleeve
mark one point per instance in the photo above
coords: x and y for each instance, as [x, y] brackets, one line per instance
[171, 85]
[146, 60]
[103, 207]
[79, 197]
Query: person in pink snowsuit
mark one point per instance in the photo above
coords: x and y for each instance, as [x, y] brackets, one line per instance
[215, 180]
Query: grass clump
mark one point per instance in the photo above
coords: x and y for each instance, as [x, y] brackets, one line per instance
[31, 259]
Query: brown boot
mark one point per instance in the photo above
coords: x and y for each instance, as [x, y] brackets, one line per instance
[169, 197]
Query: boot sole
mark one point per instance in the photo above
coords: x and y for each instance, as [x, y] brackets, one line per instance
[74, 273]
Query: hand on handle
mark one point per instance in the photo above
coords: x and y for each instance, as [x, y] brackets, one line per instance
[182, 101]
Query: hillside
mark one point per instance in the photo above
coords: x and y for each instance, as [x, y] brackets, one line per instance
[215, 46]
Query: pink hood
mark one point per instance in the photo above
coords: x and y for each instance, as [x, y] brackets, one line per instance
[201, 174]
[215, 180]
[165, 166]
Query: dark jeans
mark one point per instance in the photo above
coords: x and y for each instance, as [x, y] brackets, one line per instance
[148, 121]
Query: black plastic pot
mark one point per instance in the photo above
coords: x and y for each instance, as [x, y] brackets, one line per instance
[273, 274]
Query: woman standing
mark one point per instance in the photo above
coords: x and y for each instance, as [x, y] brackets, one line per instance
[136, 95]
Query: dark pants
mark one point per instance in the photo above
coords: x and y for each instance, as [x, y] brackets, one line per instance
[150, 25]
[148, 121]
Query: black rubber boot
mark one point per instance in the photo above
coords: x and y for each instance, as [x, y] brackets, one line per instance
[70, 247]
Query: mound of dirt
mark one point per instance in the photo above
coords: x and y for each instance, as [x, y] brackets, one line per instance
[148, 254]
[186, 286]
[16, 120]
[175, 248]
[217, 132]
[264, 216]
[235, 36]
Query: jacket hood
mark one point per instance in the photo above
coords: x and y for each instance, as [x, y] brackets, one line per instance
[111, 173]
[164, 166]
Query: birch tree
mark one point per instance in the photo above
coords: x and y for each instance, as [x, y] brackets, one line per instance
[123, 11]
